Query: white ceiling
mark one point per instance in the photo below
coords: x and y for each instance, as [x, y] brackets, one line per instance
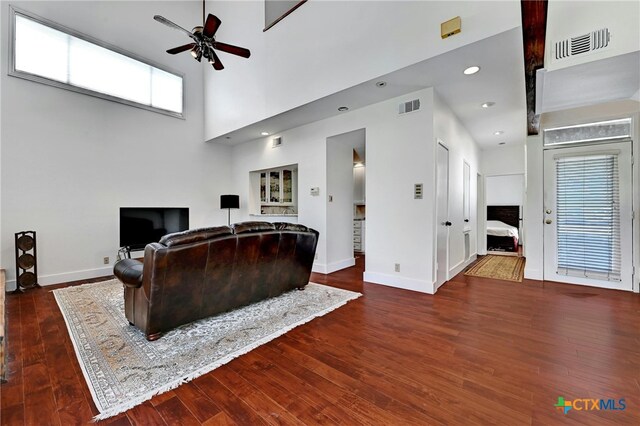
[500, 80]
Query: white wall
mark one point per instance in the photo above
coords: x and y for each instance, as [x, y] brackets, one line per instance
[534, 201]
[462, 147]
[69, 161]
[327, 46]
[503, 160]
[621, 17]
[340, 201]
[399, 154]
[505, 190]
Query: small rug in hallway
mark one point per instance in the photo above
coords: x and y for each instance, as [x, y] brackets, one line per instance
[123, 369]
[498, 267]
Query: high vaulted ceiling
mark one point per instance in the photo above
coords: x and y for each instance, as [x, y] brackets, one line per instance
[500, 80]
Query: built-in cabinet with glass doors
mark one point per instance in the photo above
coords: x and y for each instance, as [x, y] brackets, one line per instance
[278, 190]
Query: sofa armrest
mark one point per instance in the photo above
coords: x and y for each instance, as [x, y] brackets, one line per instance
[129, 272]
[154, 263]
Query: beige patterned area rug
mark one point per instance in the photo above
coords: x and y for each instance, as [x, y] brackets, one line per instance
[123, 369]
[498, 267]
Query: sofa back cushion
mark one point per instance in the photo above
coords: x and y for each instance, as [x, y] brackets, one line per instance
[245, 227]
[195, 235]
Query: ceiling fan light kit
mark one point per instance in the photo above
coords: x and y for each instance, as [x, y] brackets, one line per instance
[204, 41]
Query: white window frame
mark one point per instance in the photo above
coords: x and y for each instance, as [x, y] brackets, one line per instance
[66, 86]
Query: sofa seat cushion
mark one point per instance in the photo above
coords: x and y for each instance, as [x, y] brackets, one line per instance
[129, 271]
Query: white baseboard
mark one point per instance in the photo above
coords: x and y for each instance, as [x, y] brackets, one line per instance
[323, 268]
[422, 286]
[336, 266]
[66, 277]
[461, 265]
[533, 274]
[319, 268]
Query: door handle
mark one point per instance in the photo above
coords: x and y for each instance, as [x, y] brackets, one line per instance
[447, 223]
[548, 221]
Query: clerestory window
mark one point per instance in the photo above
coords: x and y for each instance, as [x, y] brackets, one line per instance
[49, 53]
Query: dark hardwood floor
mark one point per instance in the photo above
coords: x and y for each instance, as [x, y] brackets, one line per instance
[479, 352]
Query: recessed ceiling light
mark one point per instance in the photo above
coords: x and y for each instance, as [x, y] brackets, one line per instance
[265, 133]
[343, 109]
[471, 70]
[502, 143]
[381, 83]
[488, 104]
[499, 132]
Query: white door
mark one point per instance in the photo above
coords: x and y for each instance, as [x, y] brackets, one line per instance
[442, 213]
[588, 215]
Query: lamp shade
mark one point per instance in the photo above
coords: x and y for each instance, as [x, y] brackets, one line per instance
[229, 201]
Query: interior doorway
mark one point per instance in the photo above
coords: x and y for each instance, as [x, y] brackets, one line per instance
[504, 199]
[345, 199]
[442, 215]
[480, 216]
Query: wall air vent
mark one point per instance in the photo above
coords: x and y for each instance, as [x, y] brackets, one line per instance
[276, 142]
[409, 106]
[582, 44]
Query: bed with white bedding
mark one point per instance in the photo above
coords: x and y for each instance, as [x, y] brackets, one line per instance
[503, 228]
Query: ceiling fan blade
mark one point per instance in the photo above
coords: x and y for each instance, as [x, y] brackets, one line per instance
[217, 65]
[181, 48]
[168, 23]
[211, 26]
[234, 50]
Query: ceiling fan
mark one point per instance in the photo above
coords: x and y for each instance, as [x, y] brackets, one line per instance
[204, 41]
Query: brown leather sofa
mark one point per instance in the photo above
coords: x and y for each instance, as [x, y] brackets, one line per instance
[198, 273]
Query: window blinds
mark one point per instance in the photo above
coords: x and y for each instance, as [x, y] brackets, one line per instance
[588, 217]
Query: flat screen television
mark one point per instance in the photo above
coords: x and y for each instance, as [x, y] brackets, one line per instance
[140, 226]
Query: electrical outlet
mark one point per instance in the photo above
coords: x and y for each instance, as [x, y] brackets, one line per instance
[397, 267]
[106, 260]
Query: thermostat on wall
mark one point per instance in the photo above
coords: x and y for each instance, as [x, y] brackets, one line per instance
[315, 191]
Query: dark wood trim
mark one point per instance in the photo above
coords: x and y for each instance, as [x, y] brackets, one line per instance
[284, 15]
[534, 26]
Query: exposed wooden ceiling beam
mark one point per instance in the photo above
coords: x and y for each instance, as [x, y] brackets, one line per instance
[534, 27]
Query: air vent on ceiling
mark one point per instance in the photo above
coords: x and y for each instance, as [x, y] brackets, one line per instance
[583, 43]
[409, 106]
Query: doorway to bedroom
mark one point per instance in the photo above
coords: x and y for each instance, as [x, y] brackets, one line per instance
[504, 196]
